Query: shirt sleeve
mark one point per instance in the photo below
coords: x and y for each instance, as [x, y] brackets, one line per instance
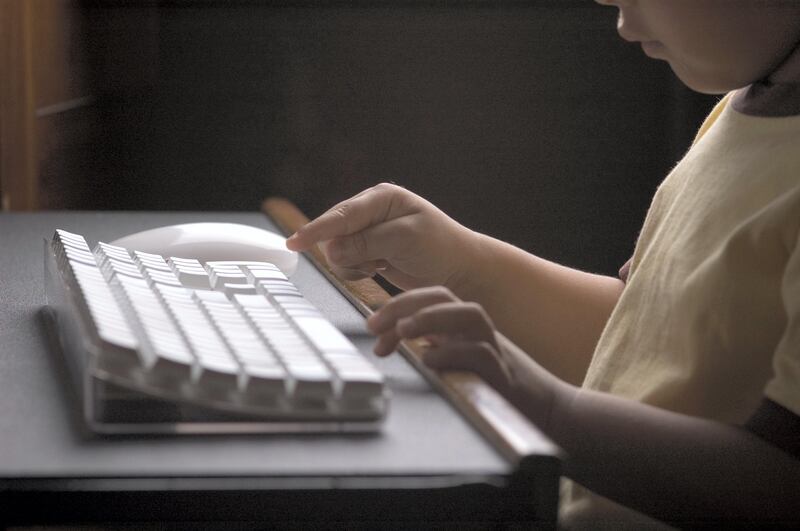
[625, 271]
[784, 387]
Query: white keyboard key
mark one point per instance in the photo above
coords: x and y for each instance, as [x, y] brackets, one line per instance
[190, 273]
[252, 301]
[278, 288]
[193, 279]
[254, 274]
[112, 251]
[151, 261]
[80, 255]
[175, 292]
[311, 382]
[261, 380]
[220, 280]
[210, 296]
[323, 334]
[69, 238]
[221, 375]
[361, 383]
[120, 340]
[239, 263]
[120, 268]
[171, 365]
[236, 289]
[162, 277]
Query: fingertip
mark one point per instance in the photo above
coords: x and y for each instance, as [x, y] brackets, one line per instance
[295, 242]
[385, 345]
[381, 350]
[291, 243]
[372, 323]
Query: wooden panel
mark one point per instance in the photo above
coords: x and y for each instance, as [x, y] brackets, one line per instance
[87, 56]
[64, 118]
[49, 125]
[17, 105]
[57, 39]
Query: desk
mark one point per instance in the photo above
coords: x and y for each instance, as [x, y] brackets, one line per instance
[427, 465]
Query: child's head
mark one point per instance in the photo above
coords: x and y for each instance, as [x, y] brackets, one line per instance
[713, 46]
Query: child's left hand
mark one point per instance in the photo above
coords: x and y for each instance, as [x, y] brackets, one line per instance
[461, 334]
[463, 337]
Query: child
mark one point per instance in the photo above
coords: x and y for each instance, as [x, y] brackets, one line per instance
[674, 390]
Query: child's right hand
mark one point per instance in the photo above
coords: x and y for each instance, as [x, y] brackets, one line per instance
[390, 230]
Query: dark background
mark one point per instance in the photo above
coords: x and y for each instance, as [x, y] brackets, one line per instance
[533, 122]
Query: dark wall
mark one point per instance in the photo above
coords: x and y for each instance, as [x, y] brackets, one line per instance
[534, 123]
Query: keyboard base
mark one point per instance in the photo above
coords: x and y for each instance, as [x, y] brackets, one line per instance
[112, 409]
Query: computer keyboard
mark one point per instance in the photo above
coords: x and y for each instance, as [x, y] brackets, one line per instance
[230, 336]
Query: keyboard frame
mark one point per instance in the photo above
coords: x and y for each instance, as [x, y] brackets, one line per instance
[110, 406]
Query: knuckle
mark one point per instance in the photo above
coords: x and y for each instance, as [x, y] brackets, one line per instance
[385, 187]
[478, 312]
[341, 210]
[444, 293]
[407, 225]
[342, 213]
[474, 308]
[424, 315]
[486, 350]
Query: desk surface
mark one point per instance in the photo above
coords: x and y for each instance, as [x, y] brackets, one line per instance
[423, 444]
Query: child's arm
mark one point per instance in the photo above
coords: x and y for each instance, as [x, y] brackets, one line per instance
[553, 312]
[673, 467]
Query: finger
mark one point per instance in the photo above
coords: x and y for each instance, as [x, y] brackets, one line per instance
[386, 343]
[378, 242]
[359, 271]
[407, 304]
[465, 320]
[389, 341]
[480, 358]
[353, 272]
[352, 215]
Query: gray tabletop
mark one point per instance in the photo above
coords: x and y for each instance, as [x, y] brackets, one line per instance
[40, 424]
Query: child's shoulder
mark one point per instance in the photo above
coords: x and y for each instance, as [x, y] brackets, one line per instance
[712, 117]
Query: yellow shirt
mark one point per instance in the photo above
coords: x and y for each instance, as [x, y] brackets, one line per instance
[709, 321]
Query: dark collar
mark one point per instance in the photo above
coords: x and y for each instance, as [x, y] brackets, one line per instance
[777, 95]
